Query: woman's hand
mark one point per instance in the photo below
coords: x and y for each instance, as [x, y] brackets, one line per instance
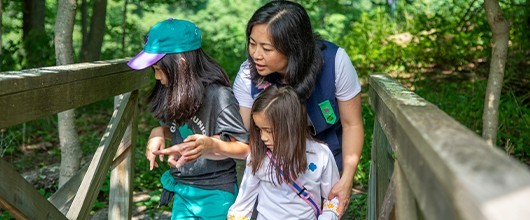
[342, 190]
[157, 141]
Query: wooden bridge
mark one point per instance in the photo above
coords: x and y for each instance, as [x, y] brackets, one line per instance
[425, 165]
[30, 94]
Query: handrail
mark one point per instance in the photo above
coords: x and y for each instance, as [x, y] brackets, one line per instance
[426, 165]
[34, 93]
[30, 94]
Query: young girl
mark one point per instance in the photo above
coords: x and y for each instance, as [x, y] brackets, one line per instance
[287, 171]
[193, 100]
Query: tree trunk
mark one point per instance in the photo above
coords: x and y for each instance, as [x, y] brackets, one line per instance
[84, 18]
[0, 27]
[91, 49]
[527, 14]
[124, 28]
[500, 29]
[36, 42]
[69, 140]
[26, 18]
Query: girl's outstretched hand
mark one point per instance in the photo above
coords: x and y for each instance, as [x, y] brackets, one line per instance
[341, 190]
[156, 142]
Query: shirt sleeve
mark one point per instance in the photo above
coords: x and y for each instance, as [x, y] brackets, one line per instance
[242, 85]
[247, 196]
[346, 80]
[230, 123]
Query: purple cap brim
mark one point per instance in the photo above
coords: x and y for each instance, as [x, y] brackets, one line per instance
[143, 60]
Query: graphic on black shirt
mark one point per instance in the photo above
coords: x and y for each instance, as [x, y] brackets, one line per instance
[185, 131]
[192, 126]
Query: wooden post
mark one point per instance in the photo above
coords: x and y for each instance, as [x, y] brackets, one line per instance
[406, 208]
[121, 176]
[388, 206]
[381, 170]
[102, 159]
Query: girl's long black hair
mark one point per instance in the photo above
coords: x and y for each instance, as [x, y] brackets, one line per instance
[292, 35]
[288, 120]
[188, 74]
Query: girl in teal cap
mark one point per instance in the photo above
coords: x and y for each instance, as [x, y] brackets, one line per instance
[193, 100]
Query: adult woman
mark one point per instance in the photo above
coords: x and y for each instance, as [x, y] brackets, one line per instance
[282, 49]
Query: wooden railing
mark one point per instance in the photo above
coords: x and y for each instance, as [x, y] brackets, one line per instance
[426, 165]
[30, 94]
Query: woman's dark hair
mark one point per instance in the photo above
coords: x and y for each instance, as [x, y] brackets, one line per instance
[188, 75]
[292, 35]
[288, 120]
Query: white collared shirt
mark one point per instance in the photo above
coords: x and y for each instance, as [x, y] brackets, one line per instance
[281, 201]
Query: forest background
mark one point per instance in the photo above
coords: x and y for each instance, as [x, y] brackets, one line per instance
[438, 49]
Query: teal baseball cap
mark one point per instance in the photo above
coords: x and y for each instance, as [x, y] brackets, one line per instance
[166, 37]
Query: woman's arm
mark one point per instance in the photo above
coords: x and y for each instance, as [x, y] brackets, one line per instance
[242, 92]
[352, 145]
[245, 114]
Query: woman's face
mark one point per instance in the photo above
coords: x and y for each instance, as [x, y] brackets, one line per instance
[160, 75]
[265, 129]
[266, 58]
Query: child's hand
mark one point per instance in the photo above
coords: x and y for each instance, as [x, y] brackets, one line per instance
[196, 146]
[156, 142]
[192, 148]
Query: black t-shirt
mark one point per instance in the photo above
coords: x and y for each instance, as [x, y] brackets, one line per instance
[218, 115]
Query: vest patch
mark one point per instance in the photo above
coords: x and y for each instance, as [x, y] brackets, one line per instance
[327, 111]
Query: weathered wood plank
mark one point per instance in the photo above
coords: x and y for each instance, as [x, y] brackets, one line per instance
[406, 208]
[14, 194]
[388, 205]
[121, 177]
[86, 196]
[62, 198]
[449, 168]
[17, 81]
[33, 103]
[34, 93]
[371, 209]
[383, 161]
[381, 170]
